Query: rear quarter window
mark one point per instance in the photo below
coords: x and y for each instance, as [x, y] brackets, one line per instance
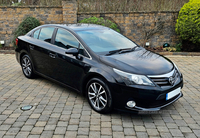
[46, 34]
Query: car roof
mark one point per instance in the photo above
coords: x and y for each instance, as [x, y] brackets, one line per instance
[78, 26]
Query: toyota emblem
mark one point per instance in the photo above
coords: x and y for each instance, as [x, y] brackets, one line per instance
[171, 80]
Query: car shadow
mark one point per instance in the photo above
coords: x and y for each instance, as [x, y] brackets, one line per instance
[77, 100]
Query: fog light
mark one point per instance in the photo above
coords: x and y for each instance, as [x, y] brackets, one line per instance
[131, 104]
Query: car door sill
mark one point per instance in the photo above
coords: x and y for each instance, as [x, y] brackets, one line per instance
[63, 84]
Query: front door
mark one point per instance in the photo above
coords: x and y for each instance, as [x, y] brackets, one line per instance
[68, 69]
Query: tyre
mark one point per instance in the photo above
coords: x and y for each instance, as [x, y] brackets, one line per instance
[27, 67]
[99, 95]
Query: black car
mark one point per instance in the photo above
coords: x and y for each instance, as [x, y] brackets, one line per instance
[105, 66]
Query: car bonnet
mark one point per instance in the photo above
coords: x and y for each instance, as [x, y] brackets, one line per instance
[140, 61]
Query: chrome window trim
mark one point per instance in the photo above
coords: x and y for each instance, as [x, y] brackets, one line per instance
[163, 75]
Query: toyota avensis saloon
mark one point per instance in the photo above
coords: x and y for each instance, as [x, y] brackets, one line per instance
[112, 71]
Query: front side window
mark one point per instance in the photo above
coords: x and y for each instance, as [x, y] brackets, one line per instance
[46, 34]
[66, 40]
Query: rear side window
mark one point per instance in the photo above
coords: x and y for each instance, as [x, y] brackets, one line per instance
[36, 34]
[46, 34]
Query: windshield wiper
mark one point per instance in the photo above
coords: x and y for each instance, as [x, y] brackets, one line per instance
[114, 51]
[128, 50]
[122, 50]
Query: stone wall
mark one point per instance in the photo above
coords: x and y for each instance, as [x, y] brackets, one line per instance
[156, 28]
[153, 27]
[11, 17]
[70, 9]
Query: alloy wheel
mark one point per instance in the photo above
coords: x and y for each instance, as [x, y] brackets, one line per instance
[26, 66]
[97, 96]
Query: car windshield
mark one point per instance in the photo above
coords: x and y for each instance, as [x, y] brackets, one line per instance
[103, 41]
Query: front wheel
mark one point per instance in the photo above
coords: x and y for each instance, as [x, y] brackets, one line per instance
[27, 66]
[99, 96]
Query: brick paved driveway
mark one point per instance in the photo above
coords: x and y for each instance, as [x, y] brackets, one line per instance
[61, 112]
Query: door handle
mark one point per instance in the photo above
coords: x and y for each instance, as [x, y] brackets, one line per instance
[31, 47]
[52, 55]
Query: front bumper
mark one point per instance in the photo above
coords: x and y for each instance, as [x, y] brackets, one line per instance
[136, 108]
[146, 98]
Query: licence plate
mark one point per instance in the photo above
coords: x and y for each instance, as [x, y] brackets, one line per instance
[173, 93]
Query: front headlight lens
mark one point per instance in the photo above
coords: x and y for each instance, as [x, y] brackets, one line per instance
[132, 79]
[177, 68]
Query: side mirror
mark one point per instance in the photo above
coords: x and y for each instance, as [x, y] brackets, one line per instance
[73, 51]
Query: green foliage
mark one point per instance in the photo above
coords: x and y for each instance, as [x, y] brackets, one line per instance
[194, 0]
[175, 48]
[188, 22]
[16, 4]
[178, 47]
[25, 26]
[170, 49]
[101, 21]
[1, 46]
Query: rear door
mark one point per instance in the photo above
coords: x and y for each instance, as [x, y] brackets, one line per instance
[40, 49]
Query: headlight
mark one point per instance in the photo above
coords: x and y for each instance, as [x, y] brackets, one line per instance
[177, 68]
[131, 79]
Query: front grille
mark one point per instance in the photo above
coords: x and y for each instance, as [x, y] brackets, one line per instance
[165, 80]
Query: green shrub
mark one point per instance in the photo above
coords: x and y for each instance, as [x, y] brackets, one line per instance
[170, 49]
[16, 4]
[188, 23]
[194, 0]
[25, 26]
[178, 47]
[101, 21]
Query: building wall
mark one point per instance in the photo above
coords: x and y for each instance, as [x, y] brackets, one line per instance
[135, 25]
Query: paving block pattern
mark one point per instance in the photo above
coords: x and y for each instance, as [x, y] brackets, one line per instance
[61, 112]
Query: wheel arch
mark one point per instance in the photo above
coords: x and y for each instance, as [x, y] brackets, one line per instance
[106, 77]
[22, 53]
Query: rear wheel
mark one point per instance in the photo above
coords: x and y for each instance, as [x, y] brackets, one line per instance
[27, 66]
[99, 96]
